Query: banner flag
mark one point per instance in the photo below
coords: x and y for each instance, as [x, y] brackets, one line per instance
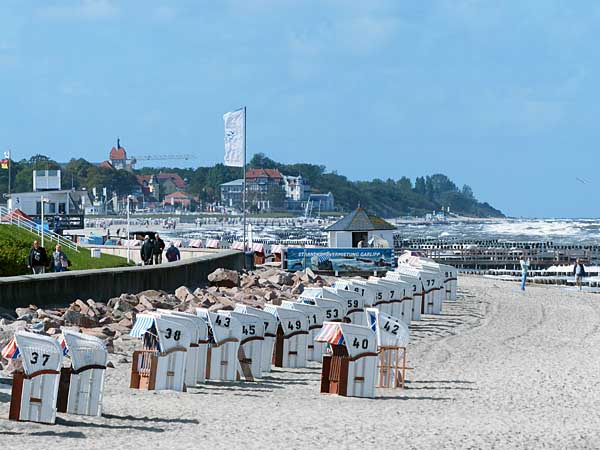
[235, 138]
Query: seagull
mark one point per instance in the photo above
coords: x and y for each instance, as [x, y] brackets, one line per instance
[580, 180]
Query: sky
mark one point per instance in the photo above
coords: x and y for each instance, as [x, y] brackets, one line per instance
[497, 95]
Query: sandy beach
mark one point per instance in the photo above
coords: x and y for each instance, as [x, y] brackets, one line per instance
[499, 369]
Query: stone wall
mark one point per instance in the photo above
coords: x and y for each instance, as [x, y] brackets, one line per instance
[103, 284]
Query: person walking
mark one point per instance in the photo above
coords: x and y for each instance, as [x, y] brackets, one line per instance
[59, 261]
[172, 253]
[159, 247]
[147, 251]
[37, 259]
[578, 273]
[524, 269]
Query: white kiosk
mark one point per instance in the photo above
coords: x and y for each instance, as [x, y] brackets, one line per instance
[35, 391]
[82, 384]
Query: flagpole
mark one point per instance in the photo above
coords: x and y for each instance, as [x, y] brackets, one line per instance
[244, 191]
[9, 170]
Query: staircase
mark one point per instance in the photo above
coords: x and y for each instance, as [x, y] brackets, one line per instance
[6, 218]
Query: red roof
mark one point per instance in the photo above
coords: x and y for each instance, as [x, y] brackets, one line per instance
[15, 214]
[177, 180]
[117, 153]
[178, 194]
[263, 173]
[141, 179]
[106, 165]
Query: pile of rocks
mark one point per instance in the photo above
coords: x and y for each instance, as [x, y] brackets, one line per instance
[112, 321]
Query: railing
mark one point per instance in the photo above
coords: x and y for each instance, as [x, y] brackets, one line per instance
[14, 219]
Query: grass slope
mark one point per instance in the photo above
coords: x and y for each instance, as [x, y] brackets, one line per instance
[16, 242]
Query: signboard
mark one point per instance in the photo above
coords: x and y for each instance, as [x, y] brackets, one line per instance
[340, 259]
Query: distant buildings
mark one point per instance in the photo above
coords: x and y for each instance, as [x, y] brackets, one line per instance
[47, 194]
[118, 158]
[231, 193]
[322, 202]
[296, 188]
[160, 185]
[270, 190]
[180, 200]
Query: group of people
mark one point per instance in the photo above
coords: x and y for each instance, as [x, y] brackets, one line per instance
[38, 260]
[152, 250]
[578, 272]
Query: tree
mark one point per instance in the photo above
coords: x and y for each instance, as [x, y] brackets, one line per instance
[468, 192]
[404, 183]
[420, 185]
[276, 196]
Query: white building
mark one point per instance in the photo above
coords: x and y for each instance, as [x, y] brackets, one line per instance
[55, 202]
[359, 228]
[296, 188]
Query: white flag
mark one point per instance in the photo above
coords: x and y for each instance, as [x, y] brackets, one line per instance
[234, 138]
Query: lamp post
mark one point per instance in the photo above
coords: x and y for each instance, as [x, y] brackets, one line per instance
[42, 201]
[129, 197]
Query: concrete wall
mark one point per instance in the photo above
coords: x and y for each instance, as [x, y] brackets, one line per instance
[103, 284]
[186, 253]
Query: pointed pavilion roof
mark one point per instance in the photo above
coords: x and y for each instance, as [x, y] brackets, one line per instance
[359, 220]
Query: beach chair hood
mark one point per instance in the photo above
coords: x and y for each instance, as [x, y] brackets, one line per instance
[315, 314]
[291, 320]
[269, 320]
[357, 339]
[390, 331]
[85, 350]
[169, 335]
[38, 352]
[223, 326]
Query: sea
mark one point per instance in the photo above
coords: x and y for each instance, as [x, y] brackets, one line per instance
[557, 231]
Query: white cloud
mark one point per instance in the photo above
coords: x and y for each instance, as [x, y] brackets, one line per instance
[80, 10]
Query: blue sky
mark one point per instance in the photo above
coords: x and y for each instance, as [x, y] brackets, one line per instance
[502, 96]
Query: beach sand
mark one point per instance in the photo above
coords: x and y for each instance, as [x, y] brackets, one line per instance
[499, 369]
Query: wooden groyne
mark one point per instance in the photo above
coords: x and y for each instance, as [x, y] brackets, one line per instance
[483, 255]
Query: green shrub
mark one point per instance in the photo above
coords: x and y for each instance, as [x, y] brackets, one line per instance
[13, 259]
